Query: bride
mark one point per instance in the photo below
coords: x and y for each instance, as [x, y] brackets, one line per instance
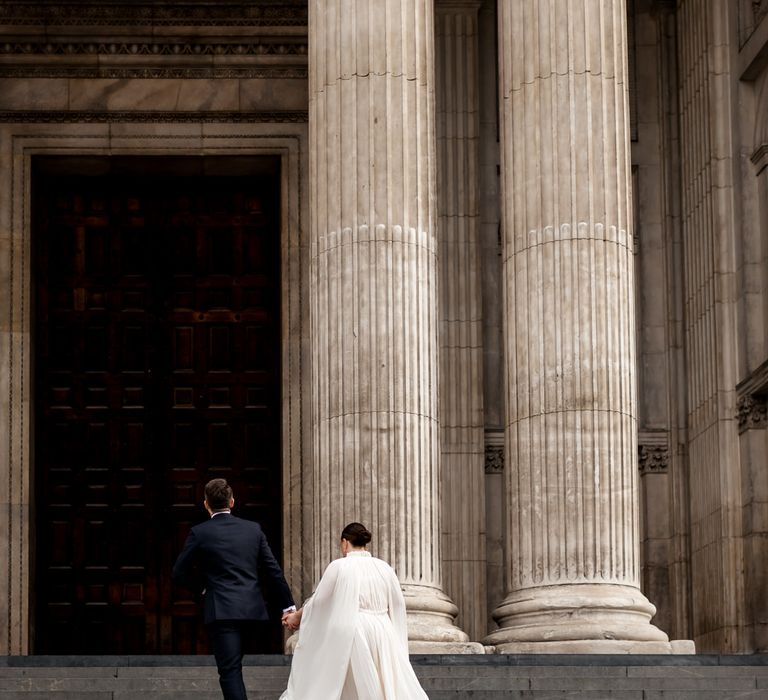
[353, 641]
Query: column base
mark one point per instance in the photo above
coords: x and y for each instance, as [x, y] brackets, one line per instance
[445, 648]
[431, 626]
[595, 646]
[591, 618]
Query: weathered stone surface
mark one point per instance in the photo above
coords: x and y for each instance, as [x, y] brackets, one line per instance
[573, 580]
[374, 296]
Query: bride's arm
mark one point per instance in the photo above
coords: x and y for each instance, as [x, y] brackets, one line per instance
[397, 611]
[322, 595]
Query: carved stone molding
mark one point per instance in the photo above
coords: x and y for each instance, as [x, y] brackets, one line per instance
[146, 48]
[21, 117]
[752, 412]
[653, 451]
[494, 459]
[115, 72]
[653, 459]
[266, 57]
[189, 13]
[494, 451]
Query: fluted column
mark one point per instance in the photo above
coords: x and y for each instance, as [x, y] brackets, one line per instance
[374, 296]
[571, 433]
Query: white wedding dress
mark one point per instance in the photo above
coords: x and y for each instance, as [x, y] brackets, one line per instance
[353, 640]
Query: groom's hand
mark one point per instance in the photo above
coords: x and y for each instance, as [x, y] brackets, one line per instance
[292, 620]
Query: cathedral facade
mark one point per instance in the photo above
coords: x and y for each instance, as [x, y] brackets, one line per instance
[489, 276]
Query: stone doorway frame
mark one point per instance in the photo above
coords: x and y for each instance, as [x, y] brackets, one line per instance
[148, 134]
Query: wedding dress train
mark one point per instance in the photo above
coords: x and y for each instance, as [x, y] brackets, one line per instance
[353, 640]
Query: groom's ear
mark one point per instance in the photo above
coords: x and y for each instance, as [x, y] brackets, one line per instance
[231, 503]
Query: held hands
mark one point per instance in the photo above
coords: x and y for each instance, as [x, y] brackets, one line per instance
[292, 620]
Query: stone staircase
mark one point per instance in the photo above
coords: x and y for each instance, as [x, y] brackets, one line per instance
[548, 677]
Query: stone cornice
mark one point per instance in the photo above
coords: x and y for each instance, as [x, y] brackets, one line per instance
[110, 13]
[198, 47]
[139, 72]
[273, 57]
[21, 117]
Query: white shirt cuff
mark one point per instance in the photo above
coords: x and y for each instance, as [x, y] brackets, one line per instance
[291, 609]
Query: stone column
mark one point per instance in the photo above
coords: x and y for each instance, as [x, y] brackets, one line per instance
[374, 296]
[461, 348]
[571, 434]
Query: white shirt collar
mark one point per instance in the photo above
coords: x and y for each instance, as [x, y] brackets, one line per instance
[221, 512]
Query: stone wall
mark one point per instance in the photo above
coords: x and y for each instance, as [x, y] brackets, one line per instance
[752, 390]
[702, 317]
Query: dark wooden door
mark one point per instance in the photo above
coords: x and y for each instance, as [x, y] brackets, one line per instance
[157, 368]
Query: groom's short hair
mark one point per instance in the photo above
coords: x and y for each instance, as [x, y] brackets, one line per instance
[218, 493]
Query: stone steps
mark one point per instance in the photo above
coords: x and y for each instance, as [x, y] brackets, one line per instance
[443, 677]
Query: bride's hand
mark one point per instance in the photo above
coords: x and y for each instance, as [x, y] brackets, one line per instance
[292, 621]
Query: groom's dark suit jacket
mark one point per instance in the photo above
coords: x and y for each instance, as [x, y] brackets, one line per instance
[236, 564]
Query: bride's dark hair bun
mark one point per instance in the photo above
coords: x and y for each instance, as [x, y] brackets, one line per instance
[356, 534]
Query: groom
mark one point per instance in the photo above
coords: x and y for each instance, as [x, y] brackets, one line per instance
[236, 563]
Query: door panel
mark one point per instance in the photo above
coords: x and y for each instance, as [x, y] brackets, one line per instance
[157, 368]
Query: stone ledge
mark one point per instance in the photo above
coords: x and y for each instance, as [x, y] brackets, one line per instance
[512, 660]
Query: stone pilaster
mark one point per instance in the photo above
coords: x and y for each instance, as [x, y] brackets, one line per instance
[571, 433]
[374, 298]
[711, 278]
[15, 384]
[461, 353]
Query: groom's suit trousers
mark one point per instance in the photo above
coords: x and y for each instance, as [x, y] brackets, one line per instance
[226, 637]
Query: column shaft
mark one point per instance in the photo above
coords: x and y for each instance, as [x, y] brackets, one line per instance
[571, 433]
[374, 295]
